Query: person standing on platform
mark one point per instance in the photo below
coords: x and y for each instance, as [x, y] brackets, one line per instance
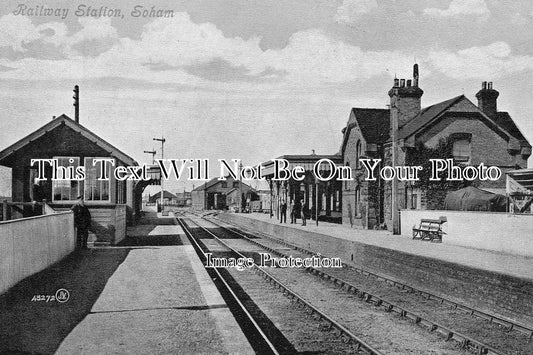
[283, 218]
[82, 222]
[303, 211]
[293, 212]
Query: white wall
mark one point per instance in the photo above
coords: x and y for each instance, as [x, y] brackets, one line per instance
[29, 245]
[501, 232]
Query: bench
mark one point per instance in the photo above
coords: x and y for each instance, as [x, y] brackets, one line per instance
[429, 229]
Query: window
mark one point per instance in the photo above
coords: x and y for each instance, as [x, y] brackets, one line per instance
[414, 200]
[462, 150]
[235, 184]
[95, 190]
[66, 190]
[121, 192]
[357, 154]
[346, 185]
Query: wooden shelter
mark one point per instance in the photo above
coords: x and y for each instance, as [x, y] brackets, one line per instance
[112, 203]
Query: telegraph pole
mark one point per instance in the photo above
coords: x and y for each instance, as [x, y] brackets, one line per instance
[76, 98]
[162, 140]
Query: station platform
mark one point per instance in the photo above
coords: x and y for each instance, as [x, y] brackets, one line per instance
[160, 300]
[495, 282]
[503, 263]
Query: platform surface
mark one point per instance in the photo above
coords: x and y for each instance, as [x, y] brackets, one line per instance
[160, 300]
[513, 265]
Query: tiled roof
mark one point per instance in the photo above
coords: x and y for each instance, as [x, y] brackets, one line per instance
[425, 116]
[504, 120]
[57, 122]
[374, 123]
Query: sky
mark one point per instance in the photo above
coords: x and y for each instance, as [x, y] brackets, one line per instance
[250, 79]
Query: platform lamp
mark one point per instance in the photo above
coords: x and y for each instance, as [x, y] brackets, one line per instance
[162, 140]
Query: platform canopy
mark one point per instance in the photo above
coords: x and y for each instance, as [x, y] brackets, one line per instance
[306, 161]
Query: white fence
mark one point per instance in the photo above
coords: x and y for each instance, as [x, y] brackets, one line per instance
[500, 232]
[29, 245]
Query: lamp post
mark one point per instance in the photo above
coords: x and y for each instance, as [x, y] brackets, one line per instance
[316, 200]
[162, 140]
[240, 187]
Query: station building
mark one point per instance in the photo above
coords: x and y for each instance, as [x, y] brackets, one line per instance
[218, 194]
[321, 197]
[475, 133]
[112, 203]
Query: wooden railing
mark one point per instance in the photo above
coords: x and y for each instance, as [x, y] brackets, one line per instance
[8, 208]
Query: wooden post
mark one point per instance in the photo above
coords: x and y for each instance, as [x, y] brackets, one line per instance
[4, 210]
[43, 206]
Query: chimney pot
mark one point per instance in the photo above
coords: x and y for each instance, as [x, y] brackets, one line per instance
[490, 85]
[408, 83]
[396, 82]
[402, 83]
[484, 85]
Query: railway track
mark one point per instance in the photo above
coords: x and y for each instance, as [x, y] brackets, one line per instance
[239, 285]
[388, 333]
[508, 324]
[498, 335]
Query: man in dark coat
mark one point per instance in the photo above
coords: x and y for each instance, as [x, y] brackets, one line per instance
[303, 211]
[82, 221]
[283, 212]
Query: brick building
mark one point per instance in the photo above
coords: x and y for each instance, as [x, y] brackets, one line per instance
[213, 195]
[475, 134]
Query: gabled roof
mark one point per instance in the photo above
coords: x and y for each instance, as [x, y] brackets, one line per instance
[374, 124]
[426, 116]
[207, 185]
[65, 120]
[504, 119]
[215, 181]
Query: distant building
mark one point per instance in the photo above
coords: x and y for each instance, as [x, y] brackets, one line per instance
[184, 199]
[168, 198]
[214, 194]
[477, 134]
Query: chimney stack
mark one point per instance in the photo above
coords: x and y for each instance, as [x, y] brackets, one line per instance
[487, 99]
[76, 98]
[406, 99]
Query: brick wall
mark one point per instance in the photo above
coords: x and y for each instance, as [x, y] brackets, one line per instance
[497, 293]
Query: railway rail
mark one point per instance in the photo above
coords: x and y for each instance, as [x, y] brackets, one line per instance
[356, 344]
[508, 324]
[465, 341]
